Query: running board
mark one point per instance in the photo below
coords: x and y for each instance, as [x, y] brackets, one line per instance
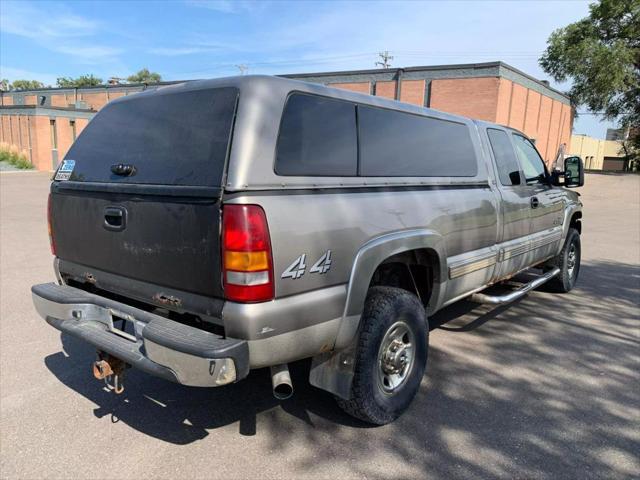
[515, 295]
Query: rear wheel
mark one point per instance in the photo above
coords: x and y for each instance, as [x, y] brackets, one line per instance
[391, 356]
[568, 261]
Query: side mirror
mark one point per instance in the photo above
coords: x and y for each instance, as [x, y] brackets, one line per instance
[572, 176]
[573, 172]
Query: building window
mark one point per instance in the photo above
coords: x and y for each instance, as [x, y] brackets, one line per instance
[72, 124]
[54, 134]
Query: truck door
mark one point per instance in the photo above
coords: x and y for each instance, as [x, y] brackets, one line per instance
[546, 202]
[515, 216]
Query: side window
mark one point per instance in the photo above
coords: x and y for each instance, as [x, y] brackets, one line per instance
[397, 144]
[506, 161]
[532, 164]
[317, 138]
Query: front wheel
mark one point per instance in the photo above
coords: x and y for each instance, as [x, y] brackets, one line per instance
[391, 356]
[568, 261]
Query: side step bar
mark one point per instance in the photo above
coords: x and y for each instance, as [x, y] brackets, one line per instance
[515, 295]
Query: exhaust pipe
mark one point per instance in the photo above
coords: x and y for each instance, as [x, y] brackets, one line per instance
[281, 382]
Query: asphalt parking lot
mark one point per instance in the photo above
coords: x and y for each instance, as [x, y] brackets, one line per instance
[548, 387]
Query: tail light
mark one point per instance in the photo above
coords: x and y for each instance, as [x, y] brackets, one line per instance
[246, 254]
[52, 242]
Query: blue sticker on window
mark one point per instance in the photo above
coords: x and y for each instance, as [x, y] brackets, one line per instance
[65, 169]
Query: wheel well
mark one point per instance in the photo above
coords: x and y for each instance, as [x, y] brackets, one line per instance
[413, 270]
[576, 222]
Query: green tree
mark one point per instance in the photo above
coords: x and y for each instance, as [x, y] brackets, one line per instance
[600, 55]
[4, 85]
[26, 85]
[82, 81]
[144, 76]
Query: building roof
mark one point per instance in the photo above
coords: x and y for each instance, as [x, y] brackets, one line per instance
[427, 72]
[48, 111]
[432, 72]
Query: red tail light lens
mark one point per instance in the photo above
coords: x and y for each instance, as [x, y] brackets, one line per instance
[50, 226]
[246, 254]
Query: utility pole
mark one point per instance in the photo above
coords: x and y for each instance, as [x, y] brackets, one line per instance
[243, 68]
[386, 59]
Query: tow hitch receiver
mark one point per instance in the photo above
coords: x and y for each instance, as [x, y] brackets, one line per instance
[111, 370]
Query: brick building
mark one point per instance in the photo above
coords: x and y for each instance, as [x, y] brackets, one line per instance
[42, 123]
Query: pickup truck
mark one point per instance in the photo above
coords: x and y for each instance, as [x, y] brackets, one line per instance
[205, 229]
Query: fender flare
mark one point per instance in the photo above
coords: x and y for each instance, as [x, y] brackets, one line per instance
[369, 257]
[569, 212]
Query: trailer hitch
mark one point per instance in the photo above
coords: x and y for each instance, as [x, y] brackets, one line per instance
[111, 370]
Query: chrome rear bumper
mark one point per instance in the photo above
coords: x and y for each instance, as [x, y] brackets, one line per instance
[156, 345]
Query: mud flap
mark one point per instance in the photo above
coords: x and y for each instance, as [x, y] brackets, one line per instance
[333, 371]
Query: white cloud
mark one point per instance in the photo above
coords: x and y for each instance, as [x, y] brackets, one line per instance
[24, 20]
[58, 31]
[229, 6]
[89, 53]
[326, 35]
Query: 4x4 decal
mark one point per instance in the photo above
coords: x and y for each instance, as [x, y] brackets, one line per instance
[298, 267]
[323, 264]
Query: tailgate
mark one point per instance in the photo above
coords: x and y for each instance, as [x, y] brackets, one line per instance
[163, 240]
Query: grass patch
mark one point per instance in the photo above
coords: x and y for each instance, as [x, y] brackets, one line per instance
[14, 158]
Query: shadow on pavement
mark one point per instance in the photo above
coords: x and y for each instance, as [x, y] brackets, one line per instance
[545, 387]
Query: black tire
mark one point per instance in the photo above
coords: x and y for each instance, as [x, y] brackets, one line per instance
[387, 307]
[566, 279]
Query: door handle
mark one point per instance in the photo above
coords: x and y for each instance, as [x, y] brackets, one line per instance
[535, 202]
[115, 218]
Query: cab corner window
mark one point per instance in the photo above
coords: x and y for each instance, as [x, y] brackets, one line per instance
[317, 138]
[506, 161]
[531, 162]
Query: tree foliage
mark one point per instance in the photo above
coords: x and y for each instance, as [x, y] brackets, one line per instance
[25, 85]
[144, 76]
[82, 81]
[600, 55]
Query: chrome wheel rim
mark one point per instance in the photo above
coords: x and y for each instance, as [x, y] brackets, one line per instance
[395, 357]
[572, 259]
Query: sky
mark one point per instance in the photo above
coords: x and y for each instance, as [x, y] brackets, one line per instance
[188, 39]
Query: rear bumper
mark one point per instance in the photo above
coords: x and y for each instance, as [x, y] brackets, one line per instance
[158, 346]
